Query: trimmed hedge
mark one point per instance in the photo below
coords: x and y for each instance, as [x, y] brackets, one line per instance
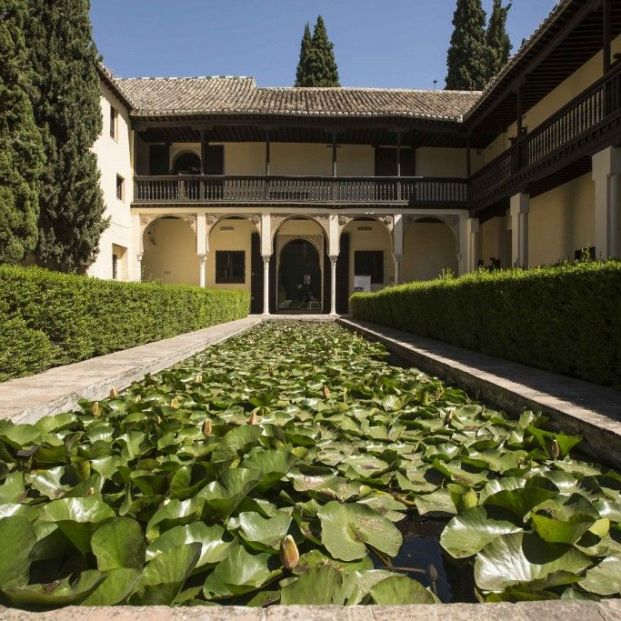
[49, 319]
[565, 319]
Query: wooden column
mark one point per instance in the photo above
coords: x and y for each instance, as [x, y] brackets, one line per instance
[268, 159]
[607, 34]
[519, 95]
[334, 167]
[204, 151]
[398, 156]
[468, 166]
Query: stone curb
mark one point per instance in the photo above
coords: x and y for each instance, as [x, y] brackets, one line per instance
[607, 610]
[27, 399]
[575, 406]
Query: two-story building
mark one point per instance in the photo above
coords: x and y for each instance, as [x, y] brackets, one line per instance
[300, 195]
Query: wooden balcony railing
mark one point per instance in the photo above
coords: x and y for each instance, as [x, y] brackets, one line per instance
[236, 189]
[580, 123]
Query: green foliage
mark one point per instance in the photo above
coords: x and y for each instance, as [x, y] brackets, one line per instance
[314, 440]
[497, 38]
[467, 58]
[566, 319]
[67, 111]
[21, 150]
[49, 319]
[317, 64]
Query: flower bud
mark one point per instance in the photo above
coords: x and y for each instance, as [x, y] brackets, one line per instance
[554, 450]
[448, 418]
[326, 392]
[114, 393]
[175, 404]
[207, 427]
[254, 419]
[96, 410]
[198, 379]
[289, 555]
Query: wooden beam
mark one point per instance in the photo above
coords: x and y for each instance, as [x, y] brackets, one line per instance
[334, 162]
[268, 152]
[204, 149]
[588, 7]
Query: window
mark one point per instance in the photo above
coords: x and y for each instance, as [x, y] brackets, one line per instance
[120, 187]
[114, 122]
[115, 267]
[230, 267]
[370, 263]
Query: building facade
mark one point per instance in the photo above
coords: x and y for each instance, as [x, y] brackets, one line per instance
[303, 195]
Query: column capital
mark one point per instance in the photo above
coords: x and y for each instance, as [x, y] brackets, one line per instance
[519, 203]
[202, 257]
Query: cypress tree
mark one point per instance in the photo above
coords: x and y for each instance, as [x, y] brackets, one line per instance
[497, 38]
[67, 111]
[21, 152]
[303, 71]
[467, 58]
[322, 69]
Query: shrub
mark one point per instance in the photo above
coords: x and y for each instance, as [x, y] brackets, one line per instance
[48, 319]
[565, 319]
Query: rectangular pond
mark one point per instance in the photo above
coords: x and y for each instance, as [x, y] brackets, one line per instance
[298, 464]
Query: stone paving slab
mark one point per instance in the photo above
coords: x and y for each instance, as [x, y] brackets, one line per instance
[608, 610]
[27, 399]
[573, 405]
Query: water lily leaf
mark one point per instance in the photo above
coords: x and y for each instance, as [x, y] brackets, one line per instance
[605, 578]
[214, 548]
[172, 513]
[557, 531]
[236, 441]
[119, 544]
[48, 482]
[320, 586]
[347, 530]
[519, 557]
[401, 591]
[56, 422]
[13, 488]
[366, 466]
[77, 518]
[118, 585]
[268, 532]
[437, 502]
[222, 497]
[468, 533]
[519, 501]
[18, 538]
[165, 575]
[19, 436]
[240, 572]
[60, 593]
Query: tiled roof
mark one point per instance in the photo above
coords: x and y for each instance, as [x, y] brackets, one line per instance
[240, 95]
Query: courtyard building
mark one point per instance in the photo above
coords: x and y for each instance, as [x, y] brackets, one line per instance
[303, 195]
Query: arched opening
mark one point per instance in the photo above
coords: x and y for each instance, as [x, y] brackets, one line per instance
[299, 277]
[187, 163]
[429, 250]
[169, 252]
[300, 273]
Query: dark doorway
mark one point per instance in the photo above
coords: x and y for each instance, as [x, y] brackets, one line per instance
[299, 278]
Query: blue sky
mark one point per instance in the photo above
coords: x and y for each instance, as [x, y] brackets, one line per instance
[380, 43]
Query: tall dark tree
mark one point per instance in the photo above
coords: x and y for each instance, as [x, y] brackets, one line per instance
[467, 58]
[303, 71]
[21, 151]
[317, 66]
[67, 111]
[497, 38]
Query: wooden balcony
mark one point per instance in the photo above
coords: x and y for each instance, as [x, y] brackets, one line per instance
[299, 191]
[585, 125]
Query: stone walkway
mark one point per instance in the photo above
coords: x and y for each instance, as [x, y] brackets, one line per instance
[573, 405]
[27, 399]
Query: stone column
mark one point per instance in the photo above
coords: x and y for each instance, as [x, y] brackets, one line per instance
[202, 274]
[333, 260]
[397, 245]
[464, 243]
[472, 227]
[606, 174]
[397, 260]
[266, 285]
[139, 264]
[520, 206]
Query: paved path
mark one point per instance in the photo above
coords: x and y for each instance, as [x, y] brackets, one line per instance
[27, 399]
[573, 405]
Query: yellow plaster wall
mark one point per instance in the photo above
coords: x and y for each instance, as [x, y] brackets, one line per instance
[440, 162]
[428, 249]
[561, 221]
[220, 238]
[377, 238]
[170, 253]
[495, 241]
[114, 156]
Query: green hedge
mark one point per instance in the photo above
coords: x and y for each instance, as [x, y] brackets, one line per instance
[566, 319]
[49, 319]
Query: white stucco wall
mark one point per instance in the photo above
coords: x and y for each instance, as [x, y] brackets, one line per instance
[115, 157]
[429, 248]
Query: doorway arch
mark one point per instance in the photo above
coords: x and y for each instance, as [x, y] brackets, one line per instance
[299, 277]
